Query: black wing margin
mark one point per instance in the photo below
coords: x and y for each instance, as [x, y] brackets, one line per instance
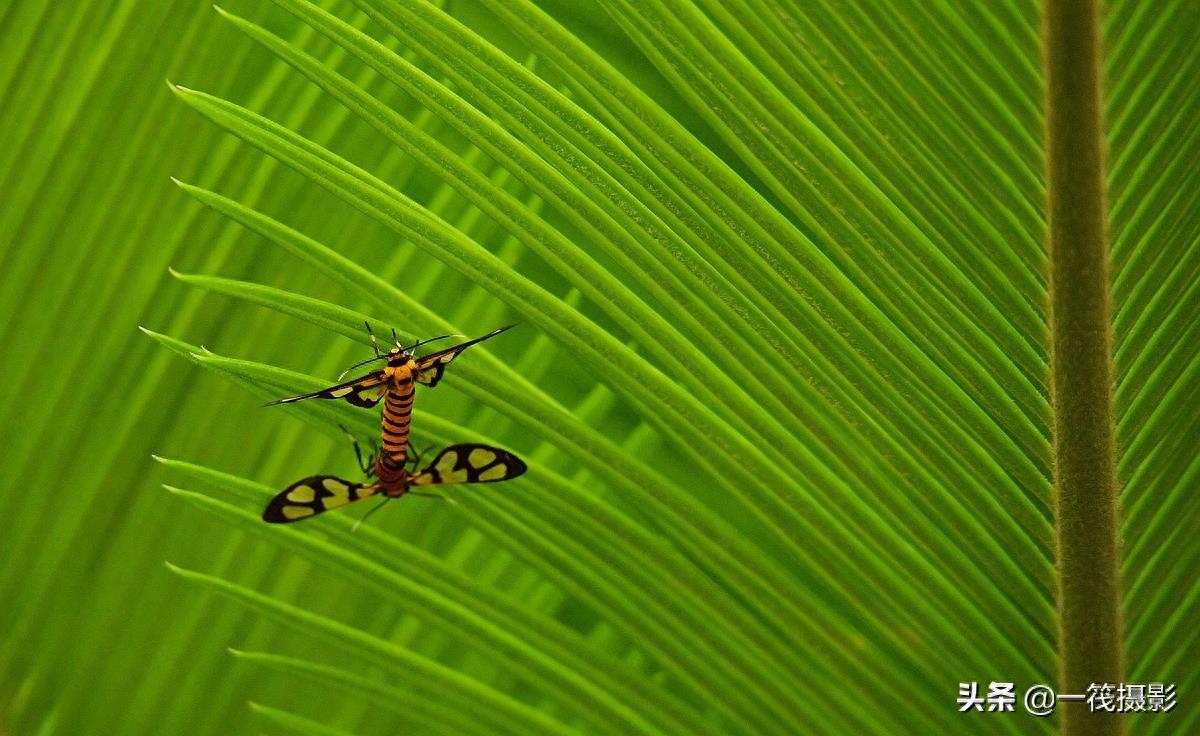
[431, 367]
[314, 495]
[365, 391]
[470, 463]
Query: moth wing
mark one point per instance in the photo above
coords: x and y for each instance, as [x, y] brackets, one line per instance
[365, 391]
[431, 367]
[470, 463]
[314, 495]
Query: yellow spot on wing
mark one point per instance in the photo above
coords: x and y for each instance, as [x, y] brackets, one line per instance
[336, 487]
[457, 476]
[480, 457]
[297, 512]
[341, 392]
[446, 462]
[497, 472]
[332, 502]
[302, 494]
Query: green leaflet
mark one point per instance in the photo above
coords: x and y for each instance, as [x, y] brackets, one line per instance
[781, 371]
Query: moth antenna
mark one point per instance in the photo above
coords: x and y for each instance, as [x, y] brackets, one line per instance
[374, 342]
[361, 362]
[419, 343]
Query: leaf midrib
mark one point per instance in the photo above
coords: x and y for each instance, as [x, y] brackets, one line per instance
[1085, 481]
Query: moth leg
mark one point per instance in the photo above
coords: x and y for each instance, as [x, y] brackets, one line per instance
[427, 495]
[375, 451]
[370, 511]
[415, 457]
[368, 467]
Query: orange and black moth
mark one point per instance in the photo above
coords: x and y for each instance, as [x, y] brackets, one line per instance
[466, 463]
[394, 384]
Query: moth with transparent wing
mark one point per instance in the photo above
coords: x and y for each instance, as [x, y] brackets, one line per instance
[365, 391]
[402, 368]
[394, 384]
[466, 463]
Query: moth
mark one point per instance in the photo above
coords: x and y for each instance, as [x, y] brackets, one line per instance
[394, 384]
[465, 463]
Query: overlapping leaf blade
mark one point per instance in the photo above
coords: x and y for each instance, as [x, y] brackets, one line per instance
[780, 373]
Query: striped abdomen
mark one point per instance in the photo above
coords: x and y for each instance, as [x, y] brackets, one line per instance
[393, 478]
[397, 415]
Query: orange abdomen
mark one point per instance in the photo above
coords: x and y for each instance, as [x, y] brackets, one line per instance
[394, 426]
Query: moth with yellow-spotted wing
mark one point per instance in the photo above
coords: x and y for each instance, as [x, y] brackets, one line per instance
[394, 384]
[402, 367]
[466, 463]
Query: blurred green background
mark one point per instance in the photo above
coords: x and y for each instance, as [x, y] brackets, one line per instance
[935, 112]
[99, 636]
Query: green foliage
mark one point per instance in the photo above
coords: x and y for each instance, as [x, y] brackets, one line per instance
[779, 276]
